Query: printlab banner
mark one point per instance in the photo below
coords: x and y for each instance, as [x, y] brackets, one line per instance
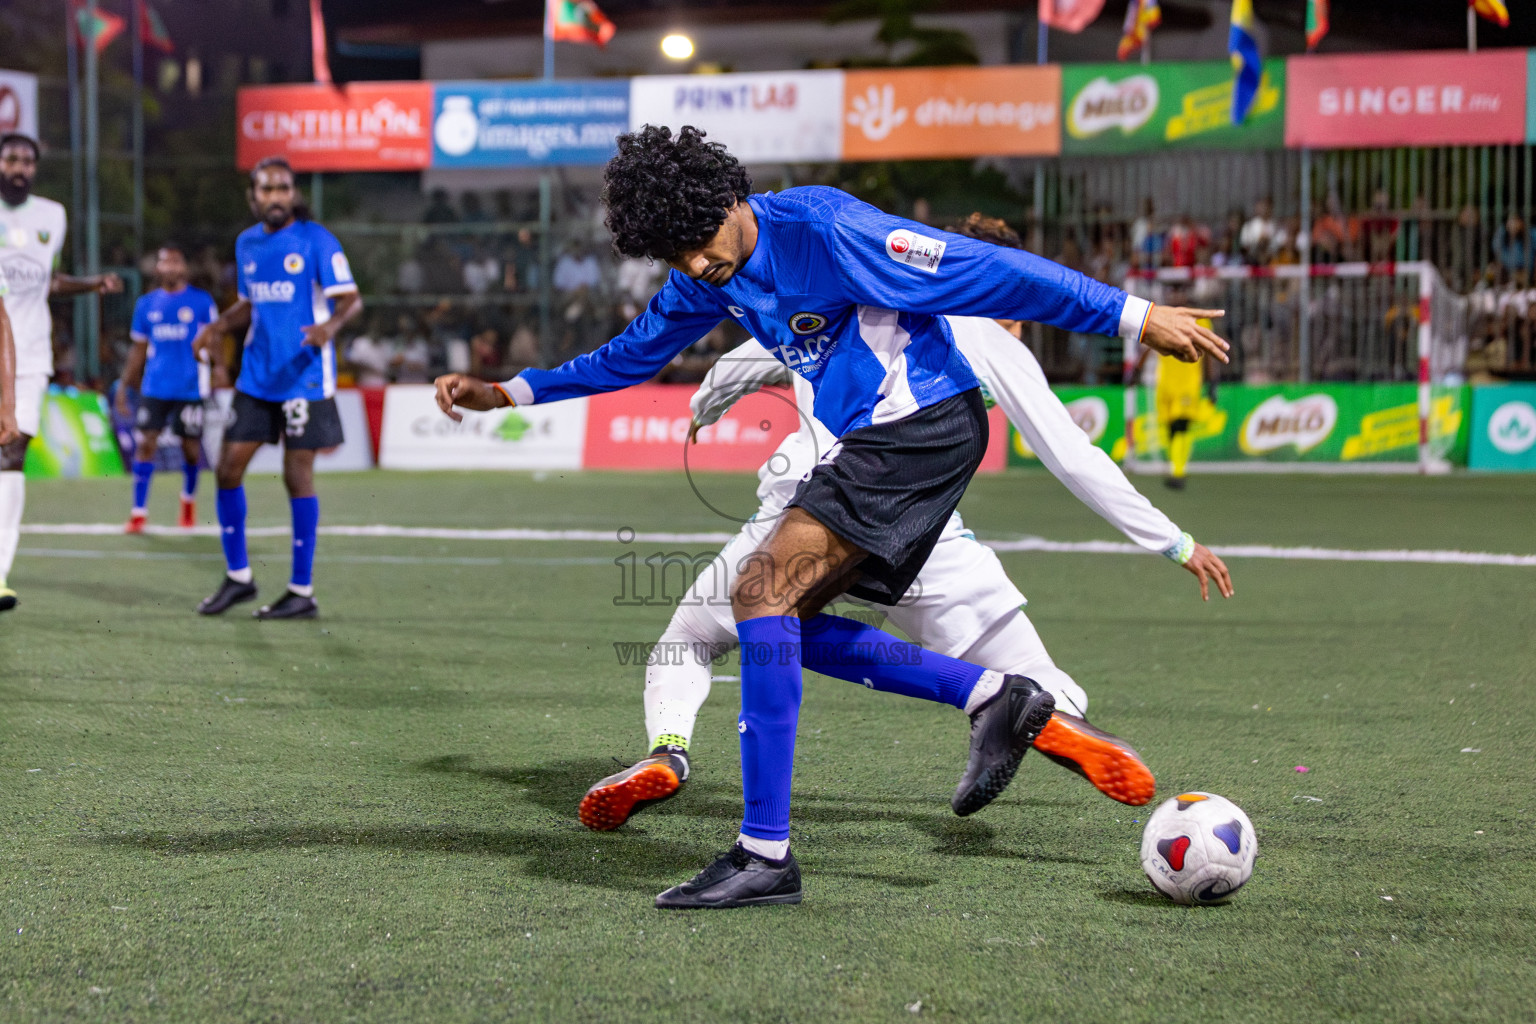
[1314, 423]
[75, 439]
[761, 117]
[1120, 108]
[517, 124]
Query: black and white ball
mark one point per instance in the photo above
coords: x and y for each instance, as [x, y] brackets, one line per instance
[1198, 848]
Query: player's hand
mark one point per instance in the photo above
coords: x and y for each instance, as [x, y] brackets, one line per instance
[121, 402]
[1207, 568]
[9, 431]
[316, 335]
[466, 392]
[1176, 331]
[109, 284]
[204, 340]
[220, 377]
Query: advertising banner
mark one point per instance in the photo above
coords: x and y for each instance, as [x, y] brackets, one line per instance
[1504, 428]
[1444, 98]
[364, 126]
[647, 428]
[933, 113]
[417, 435]
[1314, 423]
[1100, 411]
[519, 124]
[18, 103]
[1132, 108]
[1530, 96]
[75, 439]
[772, 117]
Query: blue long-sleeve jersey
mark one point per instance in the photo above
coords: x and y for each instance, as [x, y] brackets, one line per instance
[852, 299]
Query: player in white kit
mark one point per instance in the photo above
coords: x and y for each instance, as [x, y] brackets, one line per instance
[31, 238]
[963, 604]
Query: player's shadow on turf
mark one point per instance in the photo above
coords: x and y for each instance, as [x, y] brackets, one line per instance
[1142, 898]
[561, 852]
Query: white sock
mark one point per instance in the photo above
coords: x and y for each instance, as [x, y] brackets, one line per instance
[1013, 645]
[241, 575]
[13, 498]
[770, 849]
[676, 686]
[306, 590]
[985, 689]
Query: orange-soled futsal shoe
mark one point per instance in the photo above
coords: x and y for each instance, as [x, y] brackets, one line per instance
[1102, 758]
[610, 802]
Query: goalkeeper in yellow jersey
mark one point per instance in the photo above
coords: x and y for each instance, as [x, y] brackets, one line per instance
[1178, 394]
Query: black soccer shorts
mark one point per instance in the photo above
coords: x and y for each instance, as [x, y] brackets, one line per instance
[185, 418]
[299, 423]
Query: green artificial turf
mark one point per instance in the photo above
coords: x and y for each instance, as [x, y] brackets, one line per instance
[371, 816]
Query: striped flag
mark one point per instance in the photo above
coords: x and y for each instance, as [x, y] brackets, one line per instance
[153, 31]
[1069, 15]
[1491, 10]
[1247, 69]
[1141, 17]
[1317, 22]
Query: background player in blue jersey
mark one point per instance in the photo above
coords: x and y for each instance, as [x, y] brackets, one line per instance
[173, 383]
[296, 293]
[852, 300]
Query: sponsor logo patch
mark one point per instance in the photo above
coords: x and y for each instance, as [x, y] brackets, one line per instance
[293, 263]
[807, 323]
[914, 250]
[341, 268]
[184, 314]
[1512, 427]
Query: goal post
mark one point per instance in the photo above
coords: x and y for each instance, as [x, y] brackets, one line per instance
[1317, 329]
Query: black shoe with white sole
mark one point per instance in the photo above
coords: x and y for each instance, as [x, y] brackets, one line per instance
[1002, 730]
[289, 606]
[230, 593]
[737, 878]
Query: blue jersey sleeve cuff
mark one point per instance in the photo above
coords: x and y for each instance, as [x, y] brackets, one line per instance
[517, 390]
[1133, 318]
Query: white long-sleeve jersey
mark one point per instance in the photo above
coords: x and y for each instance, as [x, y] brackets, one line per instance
[1010, 375]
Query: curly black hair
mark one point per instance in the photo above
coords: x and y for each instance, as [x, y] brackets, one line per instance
[668, 194]
[987, 229]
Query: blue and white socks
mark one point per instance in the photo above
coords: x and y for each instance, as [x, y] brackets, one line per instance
[143, 473]
[230, 504]
[306, 527]
[770, 711]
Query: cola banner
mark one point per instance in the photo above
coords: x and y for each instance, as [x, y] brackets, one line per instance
[1131, 108]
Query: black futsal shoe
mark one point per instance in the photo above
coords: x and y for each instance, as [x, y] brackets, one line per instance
[289, 606]
[231, 592]
[1002, 730]
[737, 878]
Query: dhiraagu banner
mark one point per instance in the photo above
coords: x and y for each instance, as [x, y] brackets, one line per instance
[1313, 423]
[76, 438]
[1130, 108]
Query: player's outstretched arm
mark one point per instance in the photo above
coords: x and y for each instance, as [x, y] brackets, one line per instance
[466, 392]
[133, 373]
[743, 370]
[8, 429]
[1176, 331]
[1208, 569]
[68, 284]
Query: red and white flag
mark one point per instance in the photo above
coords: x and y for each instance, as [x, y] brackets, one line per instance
[1069, 15]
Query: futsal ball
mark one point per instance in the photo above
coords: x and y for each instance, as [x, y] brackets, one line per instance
[1198, 848]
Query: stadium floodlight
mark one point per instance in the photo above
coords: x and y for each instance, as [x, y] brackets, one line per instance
[677, 46]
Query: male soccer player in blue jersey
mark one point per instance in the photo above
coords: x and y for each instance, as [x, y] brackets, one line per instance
[173, 383]
[852, 300]
[296, 293]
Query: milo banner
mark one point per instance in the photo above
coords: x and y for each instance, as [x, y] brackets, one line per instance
[1100, 411]
[75, 439]
[1131, 108]
[1313, 423]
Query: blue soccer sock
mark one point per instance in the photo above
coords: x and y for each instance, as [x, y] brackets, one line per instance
[143, 473]
[306, 527]
[845, 649]
[189, 479]
[231, 509]
[770, 710]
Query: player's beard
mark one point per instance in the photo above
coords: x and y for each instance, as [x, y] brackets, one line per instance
[276, 217]
[15, 190]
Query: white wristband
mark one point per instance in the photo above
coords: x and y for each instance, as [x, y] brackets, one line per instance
[1181, 550]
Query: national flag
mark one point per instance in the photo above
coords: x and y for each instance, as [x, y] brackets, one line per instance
[1317, 22]
[152, 30]
[100, 26]
[1493, 10]
[1247, 69]
[576, 21]
[1069, 15]
[1141, 17]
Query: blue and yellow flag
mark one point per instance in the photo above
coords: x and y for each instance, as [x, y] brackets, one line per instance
[1141, 17]
[1247, 69]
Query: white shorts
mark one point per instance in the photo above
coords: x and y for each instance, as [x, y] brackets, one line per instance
[961, 592]
[30, 389]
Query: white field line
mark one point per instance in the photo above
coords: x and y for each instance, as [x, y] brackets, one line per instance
[1089, 547]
